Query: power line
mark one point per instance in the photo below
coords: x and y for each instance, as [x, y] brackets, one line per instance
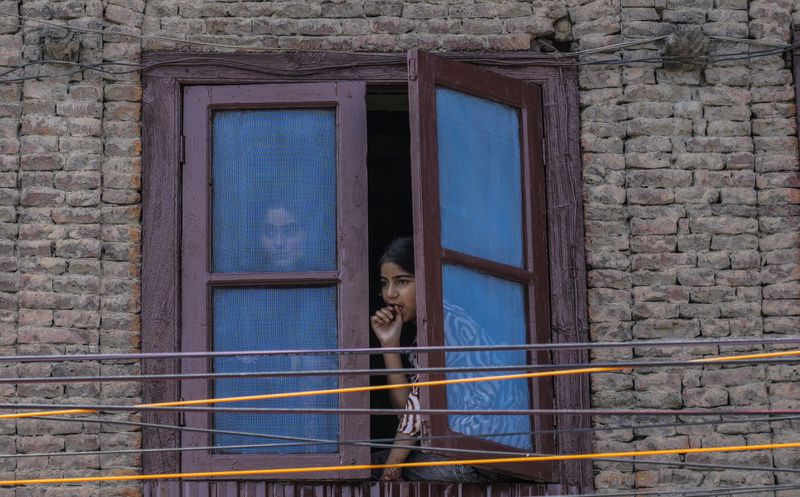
[314, 441]
[695, 492]
[421, 464]
[89, 408]
[637, 344]
[378, 372]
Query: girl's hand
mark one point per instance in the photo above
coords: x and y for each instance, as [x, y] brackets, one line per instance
[387, 324]
[392, 474]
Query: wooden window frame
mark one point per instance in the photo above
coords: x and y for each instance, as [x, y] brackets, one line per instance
[165, 77]
[428, 72]
[199, 279]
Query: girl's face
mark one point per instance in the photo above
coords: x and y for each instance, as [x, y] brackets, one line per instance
[398, 288]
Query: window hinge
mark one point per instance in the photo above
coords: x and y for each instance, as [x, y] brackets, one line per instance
[182, 149]
[544, 156]
[412, 65]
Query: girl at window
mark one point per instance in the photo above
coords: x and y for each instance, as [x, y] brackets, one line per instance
[395, 326]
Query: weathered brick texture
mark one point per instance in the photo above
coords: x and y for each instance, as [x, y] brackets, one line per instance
[691, 188]
[691, 192]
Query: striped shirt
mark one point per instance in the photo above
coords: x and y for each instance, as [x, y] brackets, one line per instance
[410, 420]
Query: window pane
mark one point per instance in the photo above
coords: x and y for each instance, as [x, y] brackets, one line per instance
[274, 184]
[276, 319]
[480, 183]
[483, 310]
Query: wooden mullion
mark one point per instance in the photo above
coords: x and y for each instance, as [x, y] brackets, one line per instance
[492, 268]
[274, 279]
[427, 244]
[535, 206]
[161, 228]
[467, 78]
[353, 262]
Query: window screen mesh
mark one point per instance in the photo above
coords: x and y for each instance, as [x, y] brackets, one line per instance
[483, 310]
[480, 182]
[276, 319]
[274, 190]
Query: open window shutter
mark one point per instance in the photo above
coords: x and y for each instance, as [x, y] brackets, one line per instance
[482, 271]
[273, 257]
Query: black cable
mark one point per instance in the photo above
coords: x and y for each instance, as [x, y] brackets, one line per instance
[357, 411]
[309, 441]
[223, 62]
[380, 372]
[697, 492]
[642, 344]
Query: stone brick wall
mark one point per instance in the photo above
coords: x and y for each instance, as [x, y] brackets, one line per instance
[690, 180]
[691, 227]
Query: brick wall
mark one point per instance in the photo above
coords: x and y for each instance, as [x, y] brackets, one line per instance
[691, 227]
[690, 200]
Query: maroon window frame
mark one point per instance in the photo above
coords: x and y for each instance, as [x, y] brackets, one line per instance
[426, 73]
[350, 277]
[167, 75]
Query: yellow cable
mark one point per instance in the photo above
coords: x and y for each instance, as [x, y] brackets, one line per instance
[285, 395]
[472, 462]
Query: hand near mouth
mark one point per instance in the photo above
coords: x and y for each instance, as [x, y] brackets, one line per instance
[387, 323]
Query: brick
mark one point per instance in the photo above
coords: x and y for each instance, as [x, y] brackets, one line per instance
[779, 196]
[773, 110]
[659, 226]
[724, 225]
[374, 8]
[728, 128]
[657, 93]
[699, 161]
[666, 328]
[41, 197]
[42, 162]
[659, 178]
[662, 127]
[659, 261]
[78, 248]
[647, 160]
[606, 194]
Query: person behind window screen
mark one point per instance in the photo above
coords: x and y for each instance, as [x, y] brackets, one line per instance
[395, 325]
[289, 240]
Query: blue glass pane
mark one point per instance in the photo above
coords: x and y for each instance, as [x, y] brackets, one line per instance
[483, 310]
[480, 185]
[274, 184]
[276, 319]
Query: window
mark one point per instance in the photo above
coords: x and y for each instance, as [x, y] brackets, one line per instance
[272, 248]
[236, 112]
[480, 205]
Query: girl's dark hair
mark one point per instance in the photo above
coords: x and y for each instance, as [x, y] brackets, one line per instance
[400, 252]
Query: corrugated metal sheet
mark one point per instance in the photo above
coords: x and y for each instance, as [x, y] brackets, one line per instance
[347, 489]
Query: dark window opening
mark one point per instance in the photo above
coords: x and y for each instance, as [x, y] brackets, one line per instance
[389, 173]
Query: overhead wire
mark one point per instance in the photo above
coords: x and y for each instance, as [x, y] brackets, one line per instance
[376, 372]
[418, 464]
[419, 384]
[694, 492]
[387, 443]
[636, 344]
[300, 441]
[184, 41]
[778, 48]
[70, 409]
